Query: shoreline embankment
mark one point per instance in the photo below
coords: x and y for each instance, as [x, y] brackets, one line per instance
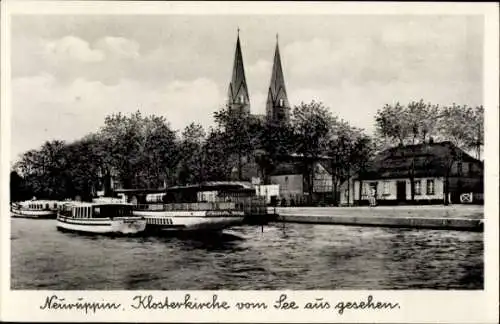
[461, 217]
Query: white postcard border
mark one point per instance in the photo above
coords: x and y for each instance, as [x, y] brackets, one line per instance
[415, 306]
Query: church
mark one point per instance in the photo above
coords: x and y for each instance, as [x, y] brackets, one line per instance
[277, 105]
[287, 180]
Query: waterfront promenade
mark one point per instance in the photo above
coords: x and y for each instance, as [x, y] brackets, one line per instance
[456, 217]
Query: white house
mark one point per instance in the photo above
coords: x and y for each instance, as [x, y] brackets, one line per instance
[434, 166]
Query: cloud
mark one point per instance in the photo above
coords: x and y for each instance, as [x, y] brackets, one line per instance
[118, 47]
[72, 71]
[73, 48]
[44, 109]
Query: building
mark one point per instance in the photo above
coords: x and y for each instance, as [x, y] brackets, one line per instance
[238, 97]
[293, 186]
[277, 105]
[440, 170]
[238, 101]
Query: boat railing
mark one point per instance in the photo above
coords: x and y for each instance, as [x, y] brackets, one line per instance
[249, 205]
[254, 205]
[187, 206]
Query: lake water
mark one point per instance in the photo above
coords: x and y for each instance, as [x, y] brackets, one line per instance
[275, 257]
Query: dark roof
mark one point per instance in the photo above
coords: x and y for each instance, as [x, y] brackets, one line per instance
[431, 159]
[209, 185]
[215, 185]
[286, 168]
[150, 190]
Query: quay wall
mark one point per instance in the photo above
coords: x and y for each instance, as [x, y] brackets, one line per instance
[435, 217]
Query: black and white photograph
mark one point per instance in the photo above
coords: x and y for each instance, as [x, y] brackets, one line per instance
[247, 150]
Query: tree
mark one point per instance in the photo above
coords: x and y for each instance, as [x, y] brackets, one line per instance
[192, 167]
[476, 139]
[161, 152]
[18, 190]
[240, 132]
[140, 150]
[216, 157]
[82, 172]
[408, 125]
[344, 159]
[362, 152]
[41, 169]
[311, 125]
[463, 126]
[275, 144]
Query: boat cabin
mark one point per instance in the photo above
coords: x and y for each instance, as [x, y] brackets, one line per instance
[216, 195]
[40, 205]
[215, 191]
[95, 210]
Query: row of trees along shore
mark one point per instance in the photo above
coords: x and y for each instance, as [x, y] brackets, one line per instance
[145, 152]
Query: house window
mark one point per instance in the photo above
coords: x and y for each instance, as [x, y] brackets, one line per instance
[418, 187]
[364, 189]
[281, 103]
[430, 187]
[373, 189]
[242, 99]
[386, 188]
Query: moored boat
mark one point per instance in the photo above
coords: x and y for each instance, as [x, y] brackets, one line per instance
[212, 206]
[35, 209]
[99, 218]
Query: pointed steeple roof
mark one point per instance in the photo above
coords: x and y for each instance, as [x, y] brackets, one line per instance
[238, 91]
[277, 106]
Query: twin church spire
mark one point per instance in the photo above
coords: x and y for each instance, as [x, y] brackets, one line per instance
[238, 98]
[277, 105]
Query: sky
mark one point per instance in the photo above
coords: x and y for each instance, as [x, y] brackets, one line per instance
[70, 71]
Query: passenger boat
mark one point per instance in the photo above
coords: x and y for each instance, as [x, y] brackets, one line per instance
[99, 218]
[35, 209]
[211, 206]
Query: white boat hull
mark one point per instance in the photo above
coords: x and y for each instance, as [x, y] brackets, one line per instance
[190, 220]
[132, 225]
[15, 212]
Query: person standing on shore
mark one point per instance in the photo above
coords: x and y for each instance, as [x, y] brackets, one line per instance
[373, 200]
